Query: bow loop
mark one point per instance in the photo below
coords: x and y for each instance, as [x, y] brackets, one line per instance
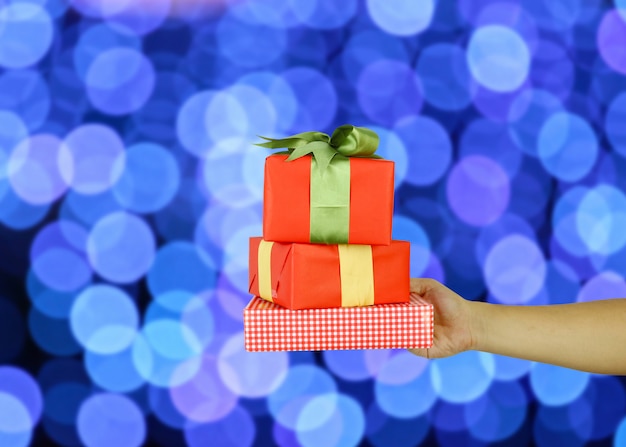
[346, 141]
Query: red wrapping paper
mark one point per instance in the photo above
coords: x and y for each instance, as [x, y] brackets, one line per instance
[286, 205]
[269, 327]
[308, 275]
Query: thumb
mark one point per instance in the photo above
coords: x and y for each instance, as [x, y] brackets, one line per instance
[421, 286]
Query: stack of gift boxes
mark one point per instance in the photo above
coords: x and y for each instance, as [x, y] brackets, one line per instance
[326, 273]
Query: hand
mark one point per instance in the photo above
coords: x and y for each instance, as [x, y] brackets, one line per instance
[453, 319]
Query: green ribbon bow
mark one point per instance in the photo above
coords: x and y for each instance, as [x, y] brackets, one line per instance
[330, 175]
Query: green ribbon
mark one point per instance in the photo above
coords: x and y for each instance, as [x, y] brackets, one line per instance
[330, 175]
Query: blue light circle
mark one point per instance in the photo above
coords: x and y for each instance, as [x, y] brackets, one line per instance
[120, 92]
[104, 319]
[158, 369]
[224, 174]
[478, 190]
[614, 120]
[234, 37]
[251, 375]
[12, 132]
[113, 372]
[552, 69]
[341, 423]
[15, 424]
[348, 365]
[190, 123]
[26, 34]
[403, 388]
[368, 46]
[171, 339]
[479, 138]
[554, 386]
[25, 93]
[316, 96]
[303, 383]
[510, 368]
[121, 247]
[498, 58]
[507, 225]
[515, 269]
[408, 229]
[201, 396]
[237, 429]
[96, 40]
[405, 18]
[528, 112]
[17, 383]
[34, 169]
[392, 147]
[149, 179]
[464, 377]
[179, 266]
[87, 209]
[96, 158]
[17, 214]
[388, 91]
[445, 76]
[567, 146]
[600, 217]
[324, 14]
[497, 414]
[565, 221]
[163, 408]
[111, 419]
[279, 93]
[604, 285]
[58, 256]
[620, 434]
[428, 140]
[240, 111]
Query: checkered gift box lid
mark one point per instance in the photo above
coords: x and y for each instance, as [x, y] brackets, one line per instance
[270, 327]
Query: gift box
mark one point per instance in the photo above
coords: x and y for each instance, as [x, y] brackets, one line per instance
[300, 276]
[270, 327]
[328, 189]
[293, 213]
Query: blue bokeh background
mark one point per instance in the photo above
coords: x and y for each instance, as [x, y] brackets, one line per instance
[129, 187]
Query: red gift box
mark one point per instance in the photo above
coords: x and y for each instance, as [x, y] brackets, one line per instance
[269, 327]
[287, 201]
[300, 276]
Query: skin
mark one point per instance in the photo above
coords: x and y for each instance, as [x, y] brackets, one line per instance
[588, 336]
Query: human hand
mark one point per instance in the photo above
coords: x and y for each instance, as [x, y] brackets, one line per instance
[454, 331]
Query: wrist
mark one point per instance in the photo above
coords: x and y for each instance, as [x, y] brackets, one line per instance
[477, 325]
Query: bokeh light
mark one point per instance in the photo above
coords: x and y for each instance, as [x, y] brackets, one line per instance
[26, 33]
[498, 58]
[111, 419]
[129, 186]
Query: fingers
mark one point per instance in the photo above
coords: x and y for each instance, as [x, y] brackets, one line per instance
[421, 286]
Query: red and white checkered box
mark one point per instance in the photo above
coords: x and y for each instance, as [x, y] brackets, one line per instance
[270, 327]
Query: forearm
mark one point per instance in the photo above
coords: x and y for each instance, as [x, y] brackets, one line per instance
[584, 336]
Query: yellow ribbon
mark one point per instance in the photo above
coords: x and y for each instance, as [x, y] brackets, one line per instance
[265, 270]
[356, 267]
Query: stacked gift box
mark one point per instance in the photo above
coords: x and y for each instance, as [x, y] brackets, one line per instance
[326, 273]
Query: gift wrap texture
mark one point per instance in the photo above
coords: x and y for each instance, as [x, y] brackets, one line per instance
[270, 327]
[290, 213]
[300, 276]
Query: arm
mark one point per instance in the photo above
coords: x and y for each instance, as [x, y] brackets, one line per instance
[584, 336]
